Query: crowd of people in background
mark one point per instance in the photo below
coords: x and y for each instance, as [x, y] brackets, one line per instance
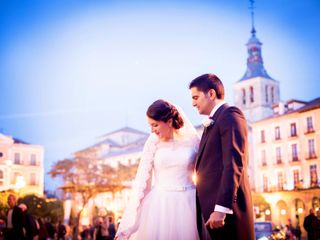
[21, 225]
[311, 224]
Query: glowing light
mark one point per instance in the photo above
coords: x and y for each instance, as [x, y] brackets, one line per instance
[300, 210]
[268, 212]
[283, 212]
[20, 183]
[194, 178]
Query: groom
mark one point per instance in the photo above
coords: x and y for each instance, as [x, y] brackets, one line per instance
[223, 191]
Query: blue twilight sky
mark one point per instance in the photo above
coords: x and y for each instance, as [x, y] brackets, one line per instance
[73, 70]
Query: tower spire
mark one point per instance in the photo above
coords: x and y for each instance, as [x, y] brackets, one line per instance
[253, 30]
[255, 66]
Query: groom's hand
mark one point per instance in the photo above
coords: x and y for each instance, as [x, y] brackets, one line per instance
[216, 220]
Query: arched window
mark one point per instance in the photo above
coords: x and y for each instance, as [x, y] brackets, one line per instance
[243, 96]
[251, 94]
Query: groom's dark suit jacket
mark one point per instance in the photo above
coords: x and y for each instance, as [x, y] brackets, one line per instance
[222, 174]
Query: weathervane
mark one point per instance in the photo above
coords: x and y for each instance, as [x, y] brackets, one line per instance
[253, 31]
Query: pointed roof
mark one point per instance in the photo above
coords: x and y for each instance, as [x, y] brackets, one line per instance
[255, 66]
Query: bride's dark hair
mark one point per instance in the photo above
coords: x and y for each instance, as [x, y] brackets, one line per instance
[161, 110]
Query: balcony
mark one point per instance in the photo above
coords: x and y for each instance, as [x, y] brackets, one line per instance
[262, 141]
[277, 138]
[309, 130]
[294, 160]
[278, 162]
[311, 156]
[263, 165]
[293, 135]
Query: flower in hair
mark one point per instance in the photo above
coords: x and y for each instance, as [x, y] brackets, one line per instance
[207, 122]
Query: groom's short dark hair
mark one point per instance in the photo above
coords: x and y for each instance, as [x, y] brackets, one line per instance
[206, 82]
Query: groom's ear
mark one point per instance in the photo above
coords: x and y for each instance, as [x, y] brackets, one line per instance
[212, 94]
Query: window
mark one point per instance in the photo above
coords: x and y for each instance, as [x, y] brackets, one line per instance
[263, 158]
[272, 94]
[15, 177]
[278, 155]
[263, 137]
[296, 179]
[33, 159]
[33, 179]
[280, 181]
[17, 159]
[265, 183]
[266, 91]
[293, 130]
[294, 152]
[309, 125]
[277, 133]
[1, 177]
[251, 95]
[312, 152]
[243, 96]
[313, 176]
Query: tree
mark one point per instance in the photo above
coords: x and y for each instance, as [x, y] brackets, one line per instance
[87, 177]
[43, 207]
[37, 206]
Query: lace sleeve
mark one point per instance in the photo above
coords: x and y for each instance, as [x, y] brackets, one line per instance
[142, 185]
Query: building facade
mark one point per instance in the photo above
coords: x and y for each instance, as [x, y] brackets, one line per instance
[120, 147]
[21, 166]
[284, 143]
[286, 154]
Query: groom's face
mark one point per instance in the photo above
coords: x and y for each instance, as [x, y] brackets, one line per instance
[202, 101]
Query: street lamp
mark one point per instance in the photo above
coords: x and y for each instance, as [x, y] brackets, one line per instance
[300, 210]
[283, 212]
[268, 212]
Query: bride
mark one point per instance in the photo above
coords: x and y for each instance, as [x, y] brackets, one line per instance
[166, 210]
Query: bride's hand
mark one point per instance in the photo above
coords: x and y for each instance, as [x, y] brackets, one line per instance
[122, 236]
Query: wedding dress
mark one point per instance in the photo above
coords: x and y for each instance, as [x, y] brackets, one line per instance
[169, 210]
[166, 209]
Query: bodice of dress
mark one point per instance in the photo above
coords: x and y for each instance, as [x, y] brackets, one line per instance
[174, 164]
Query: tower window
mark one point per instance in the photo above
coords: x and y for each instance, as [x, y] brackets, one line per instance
[266, 92]
[251, 94]
[272, 94]
[243, 96]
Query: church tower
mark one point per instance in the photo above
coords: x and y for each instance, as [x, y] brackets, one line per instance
[256, 91]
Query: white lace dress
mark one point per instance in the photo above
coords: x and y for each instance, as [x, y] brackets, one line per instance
[168, 211]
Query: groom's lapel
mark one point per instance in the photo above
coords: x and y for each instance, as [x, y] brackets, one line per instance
[207, 130]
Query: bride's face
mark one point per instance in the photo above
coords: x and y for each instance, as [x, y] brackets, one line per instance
[164, 130]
